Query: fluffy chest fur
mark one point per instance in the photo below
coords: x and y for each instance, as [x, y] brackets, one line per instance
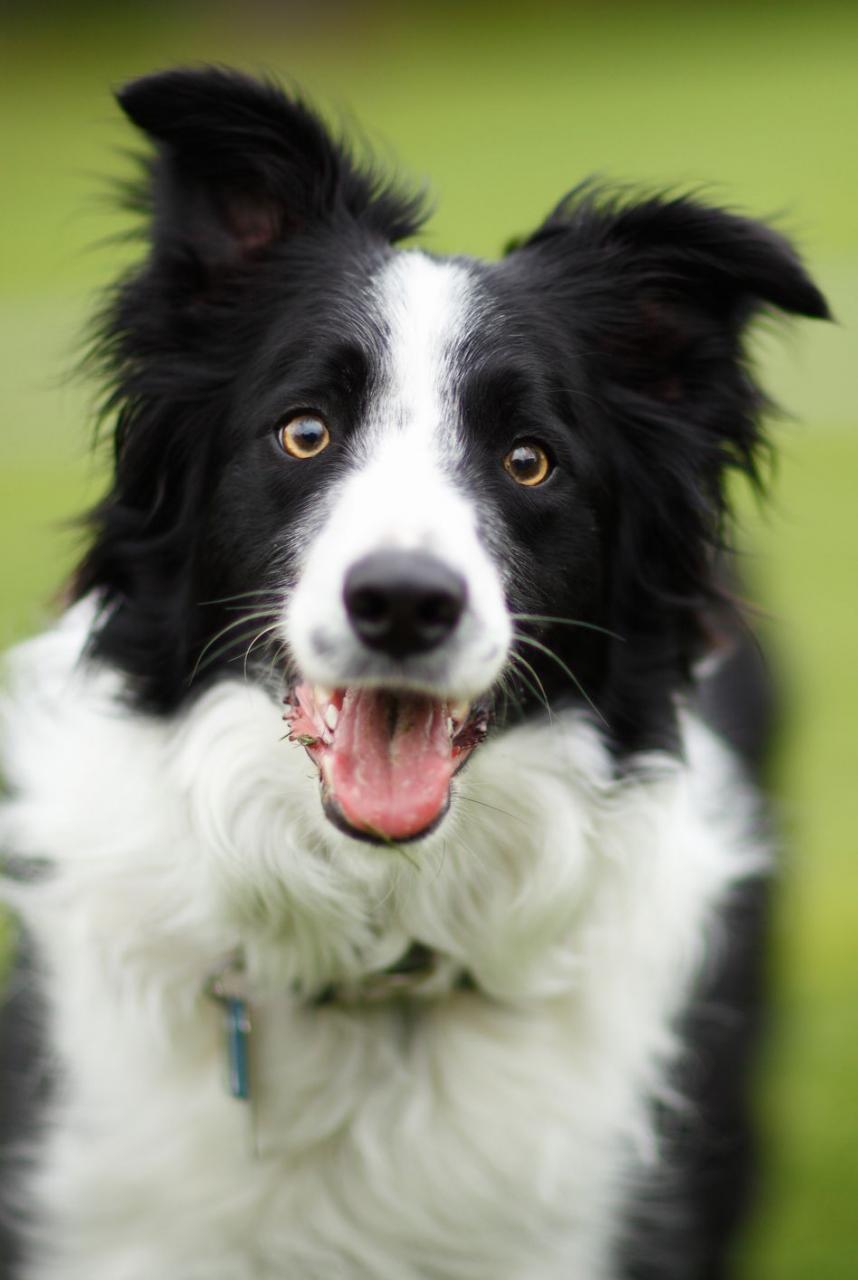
[491, 1133]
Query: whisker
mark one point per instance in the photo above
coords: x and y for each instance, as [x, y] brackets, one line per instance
[279, 659]
[549, 653]
[212, 655]
[206, 655]
[266, 631]
[505, 690]
[244, 595]
[516, 817]
[234, 608]
[236, 622]
[566, 622]
[538, 691]
[516, 678]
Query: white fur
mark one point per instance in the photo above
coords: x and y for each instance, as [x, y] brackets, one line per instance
[402, 494]
[484, 1136]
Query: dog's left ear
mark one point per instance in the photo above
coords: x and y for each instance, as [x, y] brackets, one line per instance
[665, 286]
[653, 297]
[241, 167]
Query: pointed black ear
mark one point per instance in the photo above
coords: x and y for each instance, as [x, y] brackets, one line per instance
[675, 242]
[240, 167]
[673, 283]
[728, 265]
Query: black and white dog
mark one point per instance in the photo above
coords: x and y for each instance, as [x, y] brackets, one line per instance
[362, 780]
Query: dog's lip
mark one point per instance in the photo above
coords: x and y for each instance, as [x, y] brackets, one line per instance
[366, 835]
[385, 756]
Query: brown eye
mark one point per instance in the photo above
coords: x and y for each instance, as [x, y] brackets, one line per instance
[304, 436]
[528, 464]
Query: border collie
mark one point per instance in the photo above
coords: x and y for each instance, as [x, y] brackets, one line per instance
[390, 910]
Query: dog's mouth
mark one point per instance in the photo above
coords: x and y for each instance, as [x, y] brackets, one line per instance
[385, 758]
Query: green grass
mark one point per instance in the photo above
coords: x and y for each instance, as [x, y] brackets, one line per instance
[506, 112]
[808, 561]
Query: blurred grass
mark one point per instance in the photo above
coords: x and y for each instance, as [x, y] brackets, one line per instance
[807, 559]
[505, 112]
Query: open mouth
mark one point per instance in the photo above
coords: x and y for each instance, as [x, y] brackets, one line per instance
[385, 758]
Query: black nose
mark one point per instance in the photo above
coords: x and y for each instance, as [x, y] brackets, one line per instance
[403, 602]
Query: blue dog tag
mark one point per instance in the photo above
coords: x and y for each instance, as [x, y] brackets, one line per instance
[237, 1029]
[227, 987]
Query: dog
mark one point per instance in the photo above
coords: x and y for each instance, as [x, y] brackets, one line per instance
[390, 899]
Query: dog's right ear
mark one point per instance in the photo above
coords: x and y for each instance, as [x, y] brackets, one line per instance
[241, 167]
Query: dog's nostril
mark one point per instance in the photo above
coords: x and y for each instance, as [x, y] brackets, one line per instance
[403, 602]
[439, 610]
[370, 608]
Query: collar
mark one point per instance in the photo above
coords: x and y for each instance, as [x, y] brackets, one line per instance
[412, 975]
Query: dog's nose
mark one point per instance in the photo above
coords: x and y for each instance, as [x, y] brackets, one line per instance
[403, 602]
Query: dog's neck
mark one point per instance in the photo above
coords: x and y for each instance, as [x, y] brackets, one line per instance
[419, 974]
[420, 971]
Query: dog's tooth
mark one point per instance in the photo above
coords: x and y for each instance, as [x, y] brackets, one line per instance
[331, 717]
[460, 710]
[450, 726]
[322, 694]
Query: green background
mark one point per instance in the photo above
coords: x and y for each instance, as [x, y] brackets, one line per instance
[503, 109]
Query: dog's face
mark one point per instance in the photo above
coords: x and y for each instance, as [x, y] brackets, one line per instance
[410, 481]
[413, 495]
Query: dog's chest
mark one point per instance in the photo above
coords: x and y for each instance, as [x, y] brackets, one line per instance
[466, 1140]
[488, 1136]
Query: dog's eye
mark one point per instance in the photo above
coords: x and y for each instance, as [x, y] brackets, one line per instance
[528, 464]
[304, 436]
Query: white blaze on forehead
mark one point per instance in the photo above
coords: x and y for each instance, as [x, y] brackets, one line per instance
[425, 307]
[404, 493]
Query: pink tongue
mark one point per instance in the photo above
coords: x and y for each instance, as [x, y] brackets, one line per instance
[390, 765]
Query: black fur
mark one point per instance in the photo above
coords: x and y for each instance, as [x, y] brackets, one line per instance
[684, 1223]
[26, 1086]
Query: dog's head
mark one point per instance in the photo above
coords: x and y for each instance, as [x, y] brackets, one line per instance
[413, 495]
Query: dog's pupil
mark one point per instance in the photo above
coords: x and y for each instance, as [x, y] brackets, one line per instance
[307, 434]
[525, 462]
